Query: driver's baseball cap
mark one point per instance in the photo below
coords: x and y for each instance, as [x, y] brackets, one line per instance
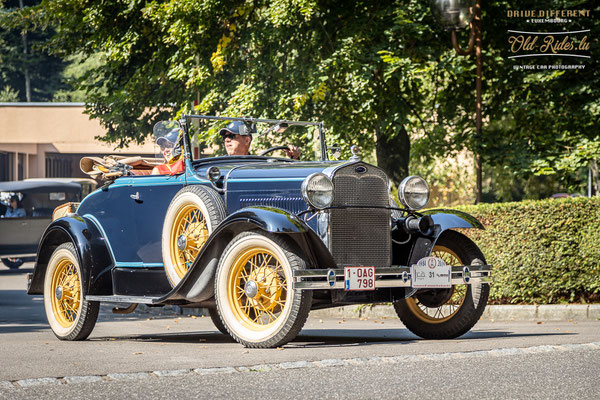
[238, 128]
[169, 138]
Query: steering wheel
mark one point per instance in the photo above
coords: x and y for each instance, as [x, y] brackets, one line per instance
[272, 149]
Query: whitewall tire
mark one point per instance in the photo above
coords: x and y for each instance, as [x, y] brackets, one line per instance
[192, 216]
[70, 316]
[253, 290]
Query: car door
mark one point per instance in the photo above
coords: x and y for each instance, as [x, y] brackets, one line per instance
[151, 197]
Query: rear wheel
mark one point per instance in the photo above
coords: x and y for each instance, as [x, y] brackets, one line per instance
[253, 290]
[447, 313]
[70, 316]
[193, 214]
[216, 319]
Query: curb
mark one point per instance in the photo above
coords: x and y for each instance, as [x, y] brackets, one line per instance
[547, 312]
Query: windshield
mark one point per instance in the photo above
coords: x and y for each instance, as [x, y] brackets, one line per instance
[221, 136]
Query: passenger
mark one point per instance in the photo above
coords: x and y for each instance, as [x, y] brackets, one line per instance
[237, 137]
[167, 144]
[14, 209]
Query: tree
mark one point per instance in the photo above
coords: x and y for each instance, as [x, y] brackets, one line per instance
[25, 69]
[542, 123]
[382, 75]
[285, 59]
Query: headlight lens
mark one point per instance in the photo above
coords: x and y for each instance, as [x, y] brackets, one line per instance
[413, 192]
[317, 190]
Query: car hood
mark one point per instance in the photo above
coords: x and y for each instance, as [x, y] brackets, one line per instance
[277, 171]
[273, 184]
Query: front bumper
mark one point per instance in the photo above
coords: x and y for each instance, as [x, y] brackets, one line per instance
[386, 277]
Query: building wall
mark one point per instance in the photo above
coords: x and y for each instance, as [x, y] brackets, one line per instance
[42, 139]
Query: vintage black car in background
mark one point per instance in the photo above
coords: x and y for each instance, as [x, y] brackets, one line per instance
[37, 198]
[260, 241]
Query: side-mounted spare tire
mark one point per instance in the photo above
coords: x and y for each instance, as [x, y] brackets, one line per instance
[192, 216]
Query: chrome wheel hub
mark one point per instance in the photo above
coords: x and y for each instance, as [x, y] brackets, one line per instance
[251, 289]
[181, 242]
[59, 292]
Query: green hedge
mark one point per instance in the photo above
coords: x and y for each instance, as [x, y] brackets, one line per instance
[545, 251]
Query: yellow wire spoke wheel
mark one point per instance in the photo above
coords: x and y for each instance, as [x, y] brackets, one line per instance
[188, 234]
[193, 214]
[70, 316]
[66, 287]
[442, 304]
[447, 313]
[257, 288]
[253, 290]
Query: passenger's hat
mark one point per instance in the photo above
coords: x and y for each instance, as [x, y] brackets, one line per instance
[238, 128]
[170, 137]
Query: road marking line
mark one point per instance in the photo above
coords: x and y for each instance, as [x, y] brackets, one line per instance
[7, 385]
[326, 363]
[133, 376]
[212, 371]
[83, 379]
[37, 382]
[295, 365]
[173, 372]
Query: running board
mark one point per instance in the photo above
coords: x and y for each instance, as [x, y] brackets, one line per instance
[123, 299]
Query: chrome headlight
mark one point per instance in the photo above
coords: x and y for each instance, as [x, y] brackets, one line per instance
[413, 192]
[317, 190]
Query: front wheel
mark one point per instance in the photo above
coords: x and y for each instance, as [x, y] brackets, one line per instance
[253, 290]
[71, 317]
[447, 313]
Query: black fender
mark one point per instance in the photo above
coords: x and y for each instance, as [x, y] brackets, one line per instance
[448, 219]
[94, 256]
[443, 220]
[198, 284]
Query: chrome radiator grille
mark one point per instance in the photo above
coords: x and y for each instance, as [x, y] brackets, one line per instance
[360, 236]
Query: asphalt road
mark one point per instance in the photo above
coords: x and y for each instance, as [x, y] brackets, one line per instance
[164, 356]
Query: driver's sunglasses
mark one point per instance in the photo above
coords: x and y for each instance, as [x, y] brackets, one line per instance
[162, 148]
[230, 136]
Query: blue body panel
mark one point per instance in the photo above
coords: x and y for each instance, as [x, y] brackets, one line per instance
[270, 184]
[133, 228]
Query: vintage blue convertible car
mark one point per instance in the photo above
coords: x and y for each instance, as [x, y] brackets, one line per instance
[260, 241]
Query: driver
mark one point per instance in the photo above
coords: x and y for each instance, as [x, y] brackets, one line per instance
[237, 137]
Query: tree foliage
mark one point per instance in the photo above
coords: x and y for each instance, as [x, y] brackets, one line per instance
[24, 58]
[360, 67]
[545, 122]
[382, 75]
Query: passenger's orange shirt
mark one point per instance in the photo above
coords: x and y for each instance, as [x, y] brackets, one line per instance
[173, 169]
